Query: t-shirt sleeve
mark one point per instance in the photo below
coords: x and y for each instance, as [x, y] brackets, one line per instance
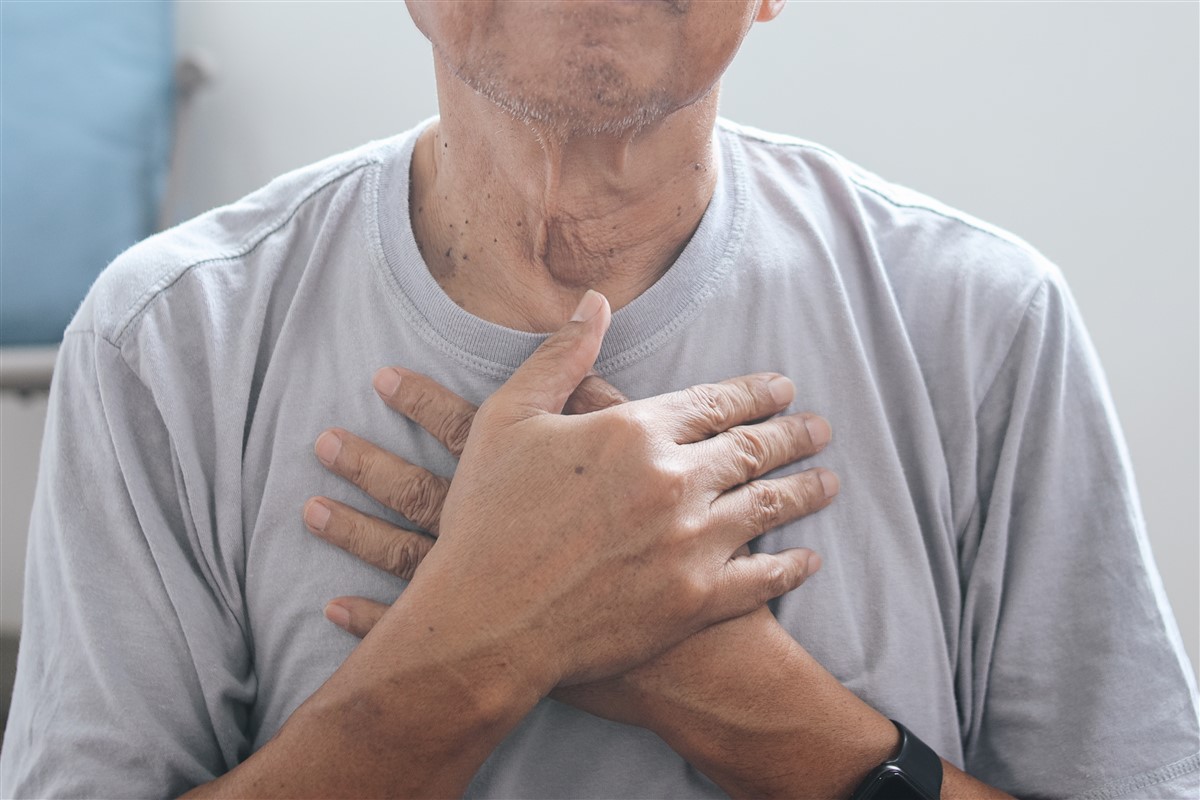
[1071, 677]
[134, 674]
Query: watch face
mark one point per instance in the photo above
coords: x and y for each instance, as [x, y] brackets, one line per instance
[892, 784]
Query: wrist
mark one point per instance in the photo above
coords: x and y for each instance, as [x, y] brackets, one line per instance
[498, 668]
[817, 739]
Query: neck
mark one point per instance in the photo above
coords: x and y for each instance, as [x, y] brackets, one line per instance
[516, 220]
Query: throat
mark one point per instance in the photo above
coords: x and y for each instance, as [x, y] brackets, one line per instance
[522, 256]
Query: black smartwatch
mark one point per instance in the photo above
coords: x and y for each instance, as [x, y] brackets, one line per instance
[914, 774]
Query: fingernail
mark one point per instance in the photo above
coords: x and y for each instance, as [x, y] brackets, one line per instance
[328, 447]
[818, 431]
[338, 615]
[782, 390]
[386, 381]
[814, 564]
[316, 515]
[830, 483]
[588, 306]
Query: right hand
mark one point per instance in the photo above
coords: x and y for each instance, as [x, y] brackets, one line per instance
[592, 543]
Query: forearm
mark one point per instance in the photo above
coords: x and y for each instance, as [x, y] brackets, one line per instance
[412, 712]
[784, 728]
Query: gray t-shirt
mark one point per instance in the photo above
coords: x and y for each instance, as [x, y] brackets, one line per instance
[987, 579]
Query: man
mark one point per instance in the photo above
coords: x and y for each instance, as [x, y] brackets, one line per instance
[983, 573]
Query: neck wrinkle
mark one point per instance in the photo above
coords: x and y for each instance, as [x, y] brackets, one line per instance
[523, 211]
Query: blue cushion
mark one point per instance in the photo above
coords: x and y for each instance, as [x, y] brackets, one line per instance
[86, 128]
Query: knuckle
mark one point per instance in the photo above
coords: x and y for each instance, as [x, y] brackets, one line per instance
[766, 504]
[670, 483]
[418, 497]
[713, 404]
[402, 556]
[454, 430]
[776, 580]
[688, 530]
[638, 421]
[752, 445]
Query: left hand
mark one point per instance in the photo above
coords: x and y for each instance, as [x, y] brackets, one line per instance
[684, 676]
[714, 698]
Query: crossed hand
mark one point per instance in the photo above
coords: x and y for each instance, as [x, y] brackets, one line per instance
[609, 541]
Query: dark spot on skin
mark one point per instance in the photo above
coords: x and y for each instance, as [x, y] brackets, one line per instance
[697, 167]
[466, 222]
[451, 224]
[420, 209]
[610, 251]
[431, 629]
[493, 241]
[449, 250]
[445, 144]
[466, 257]
[489, 197]
[579, 470]
[678, 210]
[518, 223]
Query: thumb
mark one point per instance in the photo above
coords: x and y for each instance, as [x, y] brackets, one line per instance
[752, 580]
[548, 377]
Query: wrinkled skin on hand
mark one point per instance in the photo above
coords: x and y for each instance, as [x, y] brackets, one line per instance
[632, 462]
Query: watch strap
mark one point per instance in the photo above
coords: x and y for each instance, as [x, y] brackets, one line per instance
[915, 771]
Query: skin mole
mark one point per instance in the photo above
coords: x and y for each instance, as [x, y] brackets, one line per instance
[579, 470]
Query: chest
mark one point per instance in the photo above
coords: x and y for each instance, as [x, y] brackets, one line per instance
[881, 615]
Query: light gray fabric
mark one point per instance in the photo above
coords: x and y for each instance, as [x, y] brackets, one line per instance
[987, 579]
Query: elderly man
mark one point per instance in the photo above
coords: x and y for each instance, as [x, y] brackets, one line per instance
[589, 621]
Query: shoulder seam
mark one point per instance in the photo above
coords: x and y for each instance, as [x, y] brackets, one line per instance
[852, 172]
[255, 238]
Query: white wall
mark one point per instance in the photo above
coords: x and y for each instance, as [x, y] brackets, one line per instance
[1073, 124]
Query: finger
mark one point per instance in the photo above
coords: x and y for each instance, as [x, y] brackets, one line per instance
[698, 412]
[357, 615]
[751, 581]
[544, 382]
[760, 506]
[416, 493]
[375, 541]
[746, 452]
[426, 402]
[593, 394]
